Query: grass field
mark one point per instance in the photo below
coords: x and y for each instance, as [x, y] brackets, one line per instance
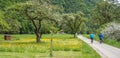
[64, 46]
[111, 42]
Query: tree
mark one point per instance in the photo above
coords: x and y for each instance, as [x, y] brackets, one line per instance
[112, 31]
[73, 6]
[3, 24]
[103, 13]
[37, 14]
[37, 11]
[52, 31]
[7, 3]
[83, 29]
[25, 26]
[11, 17]
[117, 11]
[73, 22]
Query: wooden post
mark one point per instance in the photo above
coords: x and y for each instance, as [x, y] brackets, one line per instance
[51, 54]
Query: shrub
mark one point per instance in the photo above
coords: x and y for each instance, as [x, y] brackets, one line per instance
[112, 31]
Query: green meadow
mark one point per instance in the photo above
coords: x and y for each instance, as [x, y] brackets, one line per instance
[64, 46]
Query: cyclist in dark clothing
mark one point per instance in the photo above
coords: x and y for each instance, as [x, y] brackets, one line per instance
[101, 37]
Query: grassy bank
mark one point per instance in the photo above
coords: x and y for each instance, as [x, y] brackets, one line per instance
[111, 42]
[64, 46]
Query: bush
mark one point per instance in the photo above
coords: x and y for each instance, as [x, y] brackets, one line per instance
[112, 31]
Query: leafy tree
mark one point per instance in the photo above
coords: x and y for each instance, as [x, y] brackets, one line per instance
[37, 11]
[73, 6]
[103, 13]
[11, 17]
[26, 26]
[112, 31]
[6, 3]
[73, 22]
[67, 6]
[83, 27]
[117, 11]
[3, 24]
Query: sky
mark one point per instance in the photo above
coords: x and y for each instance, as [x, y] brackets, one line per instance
[119, 1]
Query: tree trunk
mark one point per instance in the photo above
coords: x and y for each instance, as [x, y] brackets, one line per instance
[38, 37]
[75, 35]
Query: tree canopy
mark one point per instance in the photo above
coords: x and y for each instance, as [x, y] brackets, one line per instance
[28, 16]
[72, 22]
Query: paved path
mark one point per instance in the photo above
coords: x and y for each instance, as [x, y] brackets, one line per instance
[105, 51]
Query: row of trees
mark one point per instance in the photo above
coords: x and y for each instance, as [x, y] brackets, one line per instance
[42, 16]
[25, 26]
[38, 14]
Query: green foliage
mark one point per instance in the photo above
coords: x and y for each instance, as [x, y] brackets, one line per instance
[12, 23]
[7, 3]
[83, 28]
[98, 14]
[72, 6]
[117, 11]
[103, 13]
[3, 24]
[72, 22]
[47, 27]
[36, 12]
[25, 26]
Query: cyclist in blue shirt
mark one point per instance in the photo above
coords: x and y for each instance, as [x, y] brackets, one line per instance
[101, 37]
[91, 37]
